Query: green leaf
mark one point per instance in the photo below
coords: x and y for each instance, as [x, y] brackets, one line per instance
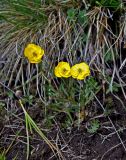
[10, 94]
[82, 18]
[113, 88]
[94, 126]
[71, 14]
[2, 104]
[108, 57]
[2, 157]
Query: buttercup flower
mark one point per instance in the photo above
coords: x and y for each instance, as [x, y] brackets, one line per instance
[34, 53]
[80, 71]
[62, 70]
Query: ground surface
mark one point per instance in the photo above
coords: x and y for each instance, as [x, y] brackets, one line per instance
[75, 144]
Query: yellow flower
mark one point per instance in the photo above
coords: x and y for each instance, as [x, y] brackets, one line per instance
[62, 70]
[34, 53]
[80, 71]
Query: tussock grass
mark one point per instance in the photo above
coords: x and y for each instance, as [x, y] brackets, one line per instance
[72, 31]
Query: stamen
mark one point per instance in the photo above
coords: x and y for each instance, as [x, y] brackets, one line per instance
[80, 70]
[34, 54]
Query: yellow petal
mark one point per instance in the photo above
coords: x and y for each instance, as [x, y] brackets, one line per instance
[80, 77]
[74, 71]
[83, 66]
[56, 72]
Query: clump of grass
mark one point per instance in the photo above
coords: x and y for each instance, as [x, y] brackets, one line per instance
[22, 16]
[30, 125]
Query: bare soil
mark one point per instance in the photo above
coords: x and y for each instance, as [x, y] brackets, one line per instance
[75, 144]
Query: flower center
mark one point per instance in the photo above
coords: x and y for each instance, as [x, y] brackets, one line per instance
[64, 70]
[79, 71]
[34, 54]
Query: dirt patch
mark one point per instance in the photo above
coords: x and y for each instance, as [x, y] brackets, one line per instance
[75, 144]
